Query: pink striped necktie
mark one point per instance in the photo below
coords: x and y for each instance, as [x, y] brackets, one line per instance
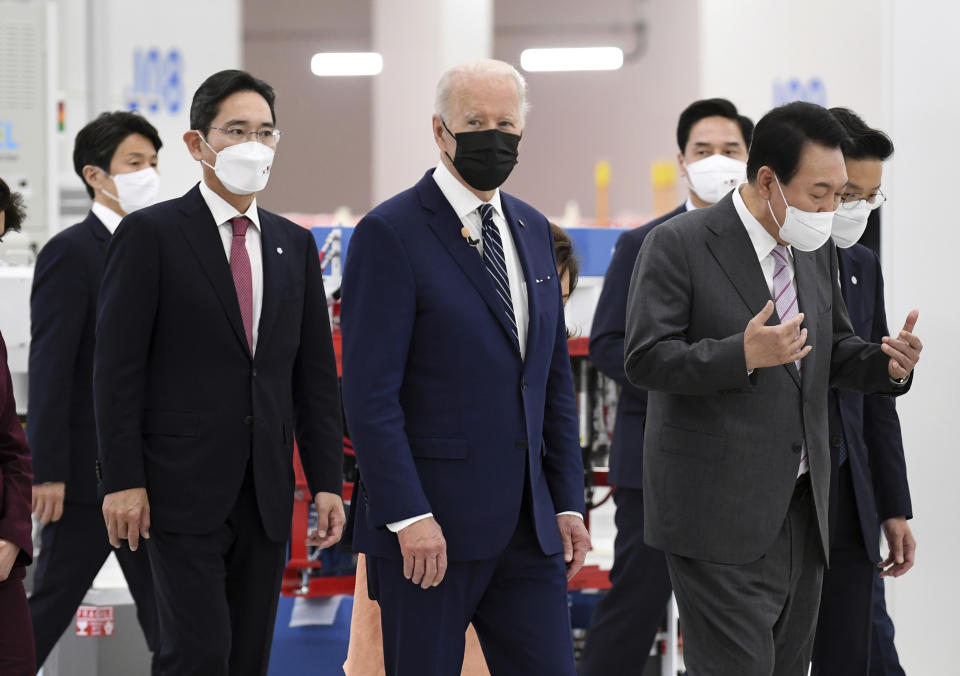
[784, 294]
[242, 275]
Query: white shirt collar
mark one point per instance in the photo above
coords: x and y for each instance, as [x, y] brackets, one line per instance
[762, 241]
[459, 196]
[223, 211]
[689, 205]
[110, 218]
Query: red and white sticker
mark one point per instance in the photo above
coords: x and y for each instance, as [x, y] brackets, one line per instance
[95, 621]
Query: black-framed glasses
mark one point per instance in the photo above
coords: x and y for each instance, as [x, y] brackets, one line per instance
[268, 137]
[851, 199]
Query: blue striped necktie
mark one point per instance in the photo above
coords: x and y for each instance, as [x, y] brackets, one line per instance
[496, 265]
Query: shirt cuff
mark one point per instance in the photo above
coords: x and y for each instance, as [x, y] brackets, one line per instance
[578, 514]
[398, 526]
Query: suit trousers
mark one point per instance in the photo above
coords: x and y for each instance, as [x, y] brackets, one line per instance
[217, 594]
[756, 619]
[516, 601]
[884, 660]
[626, 619]
[845, 624]
[72, 552]
[16, 632]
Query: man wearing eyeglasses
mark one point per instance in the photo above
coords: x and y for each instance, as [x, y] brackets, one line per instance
[869, 477]
[213, 351]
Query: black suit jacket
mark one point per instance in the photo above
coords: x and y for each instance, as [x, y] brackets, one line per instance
[722, 447]
[63, 316]
[606, 353]
[181, 405]
[868, 425]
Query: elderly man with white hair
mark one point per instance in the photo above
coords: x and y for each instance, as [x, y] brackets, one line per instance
[459, 399]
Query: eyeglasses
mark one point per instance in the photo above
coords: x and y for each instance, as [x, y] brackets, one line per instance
[851, 199]
[268, 137]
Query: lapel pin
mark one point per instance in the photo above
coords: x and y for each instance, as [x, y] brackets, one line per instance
[853, 279]
[279, 250]
[522, 224]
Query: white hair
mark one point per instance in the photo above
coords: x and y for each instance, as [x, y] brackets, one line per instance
[481, 66]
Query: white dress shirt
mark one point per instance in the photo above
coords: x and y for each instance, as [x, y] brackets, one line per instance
[110, 218]
[465, 205]
[764, 244]
[222, 212]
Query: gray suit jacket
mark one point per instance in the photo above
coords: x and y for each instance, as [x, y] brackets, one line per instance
[722, 448]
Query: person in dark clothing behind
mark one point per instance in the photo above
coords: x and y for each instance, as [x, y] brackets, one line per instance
[16, 545]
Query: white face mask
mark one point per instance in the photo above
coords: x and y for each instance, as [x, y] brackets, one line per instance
[243, 168]
[713, 177]
[849, 222]
[803, 230]
[135, 190]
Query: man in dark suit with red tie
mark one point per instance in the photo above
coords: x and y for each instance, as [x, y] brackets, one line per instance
[213, 351]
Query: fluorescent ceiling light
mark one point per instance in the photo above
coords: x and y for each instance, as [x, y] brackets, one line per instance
[572, 58]
[339, 64]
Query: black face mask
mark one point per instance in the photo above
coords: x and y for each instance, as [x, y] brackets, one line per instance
[484, 159]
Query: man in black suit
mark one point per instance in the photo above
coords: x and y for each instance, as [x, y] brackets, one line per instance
[214, 351]
[713, 139]
[737, 327]
[869, 479]
[116, 157]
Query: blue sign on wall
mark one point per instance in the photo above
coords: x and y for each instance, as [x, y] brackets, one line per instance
[811, 91]
[6, 137]
[157, 81]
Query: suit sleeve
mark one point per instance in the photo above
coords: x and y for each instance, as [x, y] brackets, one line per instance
[16, 478]
[378, 309]
[881, 431]
[126, 316]
[58, 308]
[316, 392]
[856, 364]
[609, 321]
[659, 355]
[563, 462]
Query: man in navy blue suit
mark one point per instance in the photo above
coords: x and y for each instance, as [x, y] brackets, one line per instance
[713, 139]
[460, 402]
[116, 157]
[869, 479]
[213, 351]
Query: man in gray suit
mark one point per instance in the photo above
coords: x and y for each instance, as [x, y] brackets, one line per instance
[737, 327]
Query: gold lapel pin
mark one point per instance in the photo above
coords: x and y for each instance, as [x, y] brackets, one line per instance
[522, 224]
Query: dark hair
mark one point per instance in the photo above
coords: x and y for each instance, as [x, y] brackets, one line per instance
[97, 142]
[11, 204]
[219, 86]
[781, 134]
[698, 110]
[566, 260]
[863, 142]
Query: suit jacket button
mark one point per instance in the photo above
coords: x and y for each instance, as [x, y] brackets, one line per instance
[254, 372]
[523, 383]
[836, 441]
[522, 445]
[797, 447]
[248, 420]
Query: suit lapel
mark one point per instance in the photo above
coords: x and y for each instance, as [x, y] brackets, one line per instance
[269, 245]
[805, 277]
[201, 234]
[446, 226]
[526, 263]
[849, 269]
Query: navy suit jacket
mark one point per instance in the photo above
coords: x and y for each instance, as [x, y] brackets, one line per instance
[15, 475]
[869, 425]
[63, 316]
[444, 415]
[181, 405]
[606, 353]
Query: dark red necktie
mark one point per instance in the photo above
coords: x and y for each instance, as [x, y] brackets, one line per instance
[242, 276]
